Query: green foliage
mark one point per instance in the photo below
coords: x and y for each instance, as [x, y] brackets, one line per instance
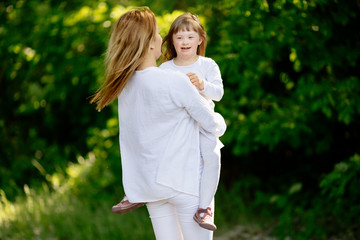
[286, 77]
[340, 188]
[53, 63]
[331, 211]
[76, 203]
[292, 107]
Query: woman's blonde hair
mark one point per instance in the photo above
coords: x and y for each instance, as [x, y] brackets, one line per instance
[129, 42]
[188, 22]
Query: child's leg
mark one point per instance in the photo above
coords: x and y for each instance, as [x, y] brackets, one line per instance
[211, 170]
[210, 154]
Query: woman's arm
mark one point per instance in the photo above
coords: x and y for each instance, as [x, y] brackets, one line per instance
[185, 95]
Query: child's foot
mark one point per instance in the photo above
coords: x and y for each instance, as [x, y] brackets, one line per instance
[204, 217]
[125, 206]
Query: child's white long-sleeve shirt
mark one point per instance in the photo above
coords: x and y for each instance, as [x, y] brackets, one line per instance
[159, 135]
[208, 71]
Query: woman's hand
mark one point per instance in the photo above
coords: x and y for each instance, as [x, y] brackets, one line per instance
[196, 81]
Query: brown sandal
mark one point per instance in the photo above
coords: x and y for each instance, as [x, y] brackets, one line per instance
[206, 220]
[125, 206]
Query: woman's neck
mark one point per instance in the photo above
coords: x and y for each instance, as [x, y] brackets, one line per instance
[148, 62]
[185, 61]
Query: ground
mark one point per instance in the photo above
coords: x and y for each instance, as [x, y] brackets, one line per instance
[245, 233]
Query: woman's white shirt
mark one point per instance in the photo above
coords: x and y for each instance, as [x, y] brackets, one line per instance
[159, 135]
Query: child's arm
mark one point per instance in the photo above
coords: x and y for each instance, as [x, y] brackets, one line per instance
[213, 86]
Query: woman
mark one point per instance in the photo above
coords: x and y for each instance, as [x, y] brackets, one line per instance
[159, 116]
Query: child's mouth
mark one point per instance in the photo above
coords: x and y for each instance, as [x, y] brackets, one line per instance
[185, 48]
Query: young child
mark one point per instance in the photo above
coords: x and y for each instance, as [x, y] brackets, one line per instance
[185, 52]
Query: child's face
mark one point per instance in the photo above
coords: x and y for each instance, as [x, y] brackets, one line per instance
[186, 43]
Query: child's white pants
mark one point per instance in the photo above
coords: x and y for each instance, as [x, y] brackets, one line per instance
[172, 219]
[210, 153]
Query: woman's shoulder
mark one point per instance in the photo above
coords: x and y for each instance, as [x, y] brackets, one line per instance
[157, 72]
[166, 64]
[170, 73]
[161, 77]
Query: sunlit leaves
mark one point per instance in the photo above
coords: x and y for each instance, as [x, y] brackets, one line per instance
[164, 21]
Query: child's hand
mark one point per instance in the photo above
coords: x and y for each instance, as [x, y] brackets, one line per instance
[196, 81]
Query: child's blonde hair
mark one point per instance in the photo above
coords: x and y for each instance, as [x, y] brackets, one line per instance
[129, 42]
[188, 22]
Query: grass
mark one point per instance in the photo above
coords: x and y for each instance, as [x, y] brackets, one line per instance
[79, 208]
[58, 216]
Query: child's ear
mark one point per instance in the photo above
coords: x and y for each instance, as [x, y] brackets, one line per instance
[200, 41]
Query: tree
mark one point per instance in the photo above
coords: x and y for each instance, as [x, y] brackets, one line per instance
[52, 59]
[290, 70]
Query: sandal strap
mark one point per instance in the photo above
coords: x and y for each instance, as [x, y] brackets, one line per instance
[122, 202]
[206, 211]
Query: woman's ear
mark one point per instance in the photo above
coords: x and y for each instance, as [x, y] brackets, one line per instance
[152, 45]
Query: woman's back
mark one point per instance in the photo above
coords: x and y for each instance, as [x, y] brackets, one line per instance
[153, 124]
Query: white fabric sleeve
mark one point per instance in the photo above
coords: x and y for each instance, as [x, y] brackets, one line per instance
[185, 95]
[213, 85]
